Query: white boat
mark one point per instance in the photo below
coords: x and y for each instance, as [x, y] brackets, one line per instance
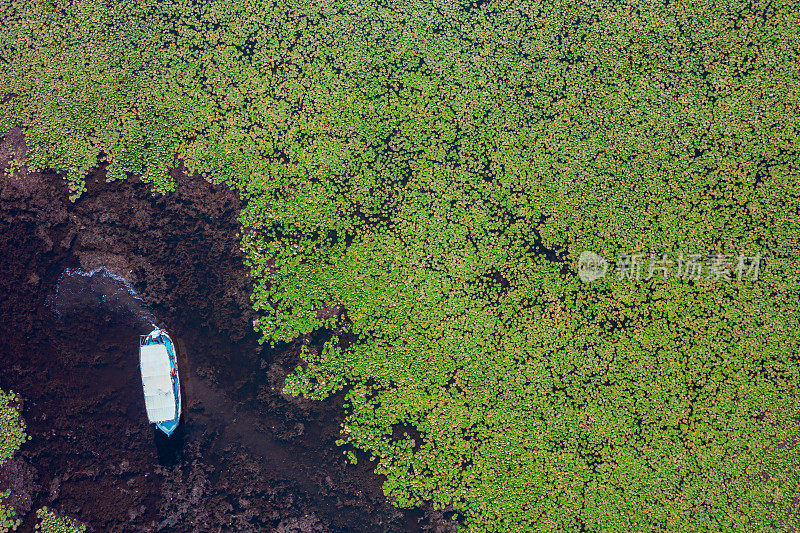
[160, 380]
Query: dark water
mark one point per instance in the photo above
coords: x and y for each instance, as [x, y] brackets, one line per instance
[103, 291]
[99, 289]
[245, 457]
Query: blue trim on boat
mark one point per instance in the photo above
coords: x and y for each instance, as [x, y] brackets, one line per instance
[159, 336]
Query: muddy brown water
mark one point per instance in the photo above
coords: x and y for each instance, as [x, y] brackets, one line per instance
[246, 457]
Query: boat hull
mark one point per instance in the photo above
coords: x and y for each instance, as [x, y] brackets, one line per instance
[159, 336]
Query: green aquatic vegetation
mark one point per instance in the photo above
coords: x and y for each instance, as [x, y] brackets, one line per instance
[7, 520]
[49, 522]
[437, 169]
[12, 168]
[12, 427]
[12, 436]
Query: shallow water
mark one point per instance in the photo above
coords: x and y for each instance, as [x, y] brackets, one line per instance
[100, 288]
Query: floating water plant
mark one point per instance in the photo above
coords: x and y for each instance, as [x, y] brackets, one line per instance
[12, 436]
[49, 522]
[437, 169]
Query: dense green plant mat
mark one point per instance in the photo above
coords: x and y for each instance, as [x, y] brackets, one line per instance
[12, 436]
[437, 169]
[49, 522]
[12, 427]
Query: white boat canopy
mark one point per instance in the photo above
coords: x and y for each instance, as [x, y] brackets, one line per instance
[159, 398]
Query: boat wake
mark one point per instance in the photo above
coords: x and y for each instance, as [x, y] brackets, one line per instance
[100, 288]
